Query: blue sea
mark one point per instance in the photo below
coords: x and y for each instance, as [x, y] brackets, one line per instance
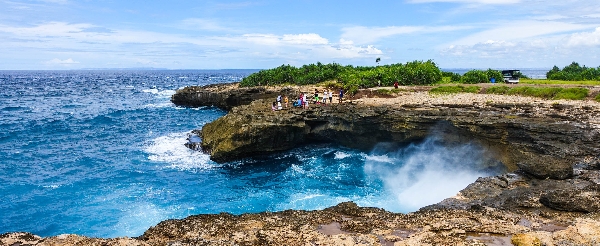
[101, 154]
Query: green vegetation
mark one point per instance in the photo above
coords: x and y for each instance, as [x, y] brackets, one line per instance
[574, 72]
[541, 92]
[500, 90]
[597, 98]
[479, 76]
[384, 91]
[455, 89]
[558, 82]
[450, 77]
[349, 77]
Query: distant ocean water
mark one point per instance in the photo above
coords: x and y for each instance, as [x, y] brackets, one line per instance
[100, 153]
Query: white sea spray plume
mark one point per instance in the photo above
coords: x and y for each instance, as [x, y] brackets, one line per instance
[426, 173]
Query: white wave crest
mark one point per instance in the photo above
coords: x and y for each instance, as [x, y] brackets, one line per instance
[341, 155]
[171, 150]
[160, 93]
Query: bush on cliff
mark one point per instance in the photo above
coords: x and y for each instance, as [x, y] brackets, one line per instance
[351, 78]
[479, 76]
[574, 72]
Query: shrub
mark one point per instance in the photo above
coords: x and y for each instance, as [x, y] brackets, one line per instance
[497, 75]
[411, 73]
[500, 90]
[574, 72]
[451, 77]
[597, 98]
[474, 77]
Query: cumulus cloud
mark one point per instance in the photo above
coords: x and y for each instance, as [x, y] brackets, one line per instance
[310, 38]
[585, 38]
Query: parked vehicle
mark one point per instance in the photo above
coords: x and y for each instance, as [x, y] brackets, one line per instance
[511, 76]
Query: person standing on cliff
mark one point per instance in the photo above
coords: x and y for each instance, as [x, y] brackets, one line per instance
[304, 102]
[396, 85]
[285, 100]
[331, 96]
[341, 95]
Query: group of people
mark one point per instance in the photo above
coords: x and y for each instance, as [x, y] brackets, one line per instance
[303, 102]
[277, 105]
[325, 95]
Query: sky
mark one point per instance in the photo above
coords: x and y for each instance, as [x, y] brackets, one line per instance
[186, 34]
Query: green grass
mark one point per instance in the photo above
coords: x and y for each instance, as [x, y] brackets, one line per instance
[455, 89]
[541, 92]
[384, 91]
[597, 98]
[557, 82]
[501, 90]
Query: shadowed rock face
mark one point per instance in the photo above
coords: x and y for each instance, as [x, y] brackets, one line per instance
[542, 141]
[542, 146]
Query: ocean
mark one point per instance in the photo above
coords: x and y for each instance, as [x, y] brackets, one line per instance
[101, 154]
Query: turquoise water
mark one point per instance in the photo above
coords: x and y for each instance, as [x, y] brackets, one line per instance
[100, 153]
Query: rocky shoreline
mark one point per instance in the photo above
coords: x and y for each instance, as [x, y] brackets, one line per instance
[549, 195]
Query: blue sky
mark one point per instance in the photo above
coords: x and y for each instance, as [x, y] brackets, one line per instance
[185, 34]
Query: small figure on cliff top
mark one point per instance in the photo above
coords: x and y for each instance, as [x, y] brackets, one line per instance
[331, 96]
[304, 102]
[274, 107]
[396, 85]
[341, 95]
[285, 100]
[325, 97]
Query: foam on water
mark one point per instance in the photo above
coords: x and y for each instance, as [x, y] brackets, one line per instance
[170, 149]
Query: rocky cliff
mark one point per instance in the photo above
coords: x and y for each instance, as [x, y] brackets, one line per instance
[543, 139]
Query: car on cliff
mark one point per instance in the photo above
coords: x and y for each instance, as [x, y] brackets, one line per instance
[511, 76]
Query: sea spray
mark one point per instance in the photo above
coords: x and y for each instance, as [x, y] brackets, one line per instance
[426, 173]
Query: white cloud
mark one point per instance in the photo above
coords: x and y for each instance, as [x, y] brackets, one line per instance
[519, 30]
[47, 29]
[310, 38]
[467, 1]
[366, 35]
[585, 38]
[57, 61]
[371, 35]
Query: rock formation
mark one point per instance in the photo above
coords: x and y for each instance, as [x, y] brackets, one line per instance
[544, 140]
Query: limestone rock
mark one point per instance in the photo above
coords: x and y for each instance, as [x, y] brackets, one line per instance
[573, 199]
